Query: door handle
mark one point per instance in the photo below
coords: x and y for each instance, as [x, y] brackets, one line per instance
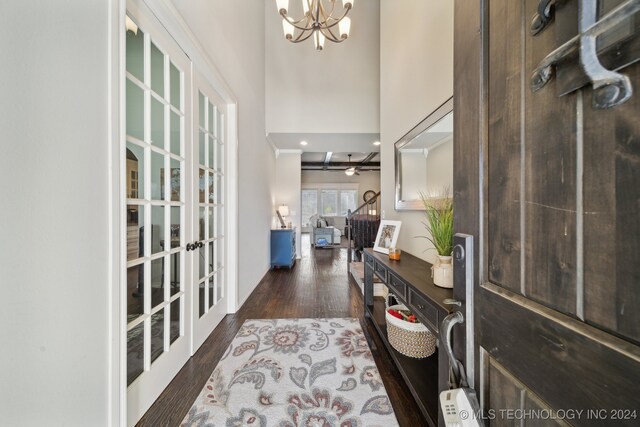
[193, 246]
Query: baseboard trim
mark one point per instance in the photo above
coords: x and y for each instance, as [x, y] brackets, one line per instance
[241, 303]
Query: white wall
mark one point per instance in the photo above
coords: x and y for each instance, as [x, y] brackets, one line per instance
[232, 33]
[54, 238]
[416, 76]
[366, 180]
[288, 192]
[336, 90]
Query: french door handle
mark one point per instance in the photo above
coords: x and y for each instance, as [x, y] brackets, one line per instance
[193, 246]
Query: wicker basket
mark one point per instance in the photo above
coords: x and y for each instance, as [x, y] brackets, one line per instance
[411, 339]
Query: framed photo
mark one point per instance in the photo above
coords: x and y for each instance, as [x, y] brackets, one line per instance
[387, 236]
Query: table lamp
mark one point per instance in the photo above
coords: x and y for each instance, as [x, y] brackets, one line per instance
[283, 211]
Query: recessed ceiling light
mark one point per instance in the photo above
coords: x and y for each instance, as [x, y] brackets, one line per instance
[376, 143]
[303, 142]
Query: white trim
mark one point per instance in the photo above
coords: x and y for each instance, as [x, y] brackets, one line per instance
[116, 381]
[276, 150]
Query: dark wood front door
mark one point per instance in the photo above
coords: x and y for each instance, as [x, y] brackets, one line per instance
[549, 187]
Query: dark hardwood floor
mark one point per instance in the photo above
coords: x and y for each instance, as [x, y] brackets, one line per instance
[317, 286]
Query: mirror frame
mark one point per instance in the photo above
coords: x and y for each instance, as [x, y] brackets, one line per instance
[430, 120]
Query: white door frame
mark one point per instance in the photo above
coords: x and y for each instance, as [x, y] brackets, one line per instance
[166, 13]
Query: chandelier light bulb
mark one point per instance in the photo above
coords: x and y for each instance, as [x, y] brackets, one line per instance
[319, 40]
[345, 27]
[282, 5]
[350, 172]
[288, 29]
[305, 6]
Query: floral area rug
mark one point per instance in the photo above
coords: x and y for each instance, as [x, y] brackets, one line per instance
[294, 373]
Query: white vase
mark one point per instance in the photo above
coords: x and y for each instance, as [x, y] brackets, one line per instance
[442, 272]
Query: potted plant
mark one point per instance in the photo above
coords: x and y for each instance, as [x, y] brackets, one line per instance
[439, 224]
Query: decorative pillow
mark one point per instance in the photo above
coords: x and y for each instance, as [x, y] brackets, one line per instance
[322, 223]
[313, 220]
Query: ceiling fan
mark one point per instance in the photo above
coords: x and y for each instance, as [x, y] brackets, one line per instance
[351, 170]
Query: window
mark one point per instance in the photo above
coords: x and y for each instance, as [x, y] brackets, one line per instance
[329, 202]
[348, 201]
[309, 205]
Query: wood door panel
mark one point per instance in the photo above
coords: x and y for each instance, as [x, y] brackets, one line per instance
[612, 214]
[505, 147]
[550, 182]
[574, 366]
[506, 395]
[574, 175]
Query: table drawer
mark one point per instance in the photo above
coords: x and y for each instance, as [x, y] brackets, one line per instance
[424, 309]
[397, 286]
[380, 270]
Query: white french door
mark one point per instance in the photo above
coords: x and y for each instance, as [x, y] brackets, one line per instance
[209, 278]
[175, 175]
[158, 210]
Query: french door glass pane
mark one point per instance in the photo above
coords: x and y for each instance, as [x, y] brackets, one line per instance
[157, 281]
[157, 228]
[157, 334]
[176, 88]
[135, 352]
[135, 292]
[174, 181]
[202, 144]
[202, 185]
[211, 290]
[135, 220]
[174, 323]
[212, 150]
[157, 70]
[157, 176]
[309, 205]
[135, 171]
[175, 134]
[175, 272]
[135, 54]
[329, 202]
[157, 123]
[201, 112]
[202, 261]
[211, 223]
[135, 110]
[211, 187]
[201, 221]
[220, 257]
[201, 305]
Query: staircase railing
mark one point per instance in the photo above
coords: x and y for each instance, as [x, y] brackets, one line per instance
[362, 227]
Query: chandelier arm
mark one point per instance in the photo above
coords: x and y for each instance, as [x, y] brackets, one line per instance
[295, 23]
[337, 20]
[333, 7]
[299, 39]
[329, 35]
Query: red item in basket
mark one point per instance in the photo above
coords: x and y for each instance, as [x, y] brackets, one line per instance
[395, 314]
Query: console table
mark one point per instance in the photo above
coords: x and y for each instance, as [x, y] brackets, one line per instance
[283, 247]
[410, 281]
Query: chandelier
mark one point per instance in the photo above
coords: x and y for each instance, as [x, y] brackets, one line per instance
[318, 21]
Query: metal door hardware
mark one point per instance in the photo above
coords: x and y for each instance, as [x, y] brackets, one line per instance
[463, 279]
[609, 87]
[193, 246]
[543, 16]
[450, 301]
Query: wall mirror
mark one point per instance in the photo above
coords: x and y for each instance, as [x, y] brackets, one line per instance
[424, 159]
